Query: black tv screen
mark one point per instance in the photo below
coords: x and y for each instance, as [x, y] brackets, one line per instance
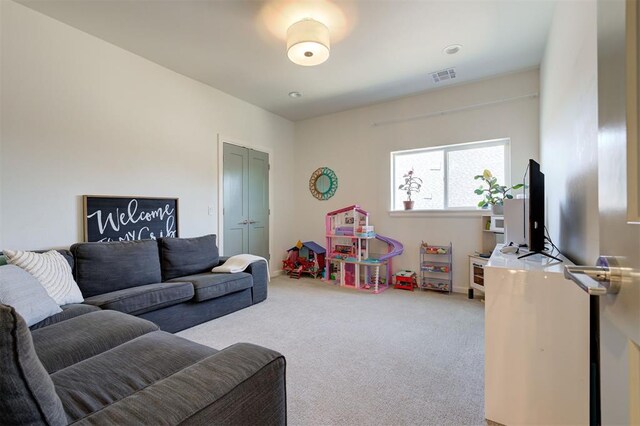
[534, 207]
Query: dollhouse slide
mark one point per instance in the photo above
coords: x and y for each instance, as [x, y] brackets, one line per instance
[395, 247]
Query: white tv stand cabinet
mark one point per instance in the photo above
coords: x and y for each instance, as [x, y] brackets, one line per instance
[536, 343]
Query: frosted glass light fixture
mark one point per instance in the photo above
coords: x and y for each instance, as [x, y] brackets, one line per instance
[308, 42]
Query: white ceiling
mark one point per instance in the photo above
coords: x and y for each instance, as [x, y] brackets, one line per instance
[381, 49]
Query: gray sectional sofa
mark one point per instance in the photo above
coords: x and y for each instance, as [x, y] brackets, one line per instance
[88, 366]
[168, 281]
[110, 360]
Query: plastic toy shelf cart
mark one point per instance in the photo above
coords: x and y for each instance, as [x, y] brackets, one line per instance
[436, 272]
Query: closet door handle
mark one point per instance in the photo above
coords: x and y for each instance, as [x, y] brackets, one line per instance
[253, 221]
[244, 222]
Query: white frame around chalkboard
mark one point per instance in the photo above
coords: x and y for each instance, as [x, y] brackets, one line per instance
[85, 198]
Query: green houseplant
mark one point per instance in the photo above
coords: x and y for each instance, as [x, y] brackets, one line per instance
[411, 184]
[494, 193]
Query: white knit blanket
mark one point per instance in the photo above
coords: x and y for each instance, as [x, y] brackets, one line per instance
[239, 263]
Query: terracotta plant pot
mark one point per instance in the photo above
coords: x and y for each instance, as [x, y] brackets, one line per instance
[408, 205]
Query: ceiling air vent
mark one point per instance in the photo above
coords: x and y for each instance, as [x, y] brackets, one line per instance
[444, 75]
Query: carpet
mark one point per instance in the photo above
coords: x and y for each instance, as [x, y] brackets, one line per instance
[354, 358]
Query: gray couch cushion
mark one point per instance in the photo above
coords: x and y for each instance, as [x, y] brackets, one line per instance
[68, 311]
[106, 267]
[68, 342]
[211, 285]
[145, 298]
[130, 367]
[28, 395]
[243, 384]
[187, 256]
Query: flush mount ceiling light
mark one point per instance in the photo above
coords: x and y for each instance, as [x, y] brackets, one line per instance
[308, 42]
[295, 94]
[452, 49]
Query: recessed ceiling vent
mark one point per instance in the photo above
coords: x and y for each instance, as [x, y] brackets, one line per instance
[444, 75]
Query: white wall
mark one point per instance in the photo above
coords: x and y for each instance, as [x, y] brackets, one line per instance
[359, 153]
[81, 116]
[569, 130]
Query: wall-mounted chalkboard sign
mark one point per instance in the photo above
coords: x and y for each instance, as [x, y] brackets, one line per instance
[113, 218]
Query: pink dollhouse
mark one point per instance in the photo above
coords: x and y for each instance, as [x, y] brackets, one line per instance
[349, 261]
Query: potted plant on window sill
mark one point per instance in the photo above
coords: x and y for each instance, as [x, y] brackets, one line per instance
[411, 184]
[494, 193]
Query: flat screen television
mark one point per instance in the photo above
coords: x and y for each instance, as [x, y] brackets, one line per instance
[534, 210]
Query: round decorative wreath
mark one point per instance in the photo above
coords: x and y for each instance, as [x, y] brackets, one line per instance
[323, 183]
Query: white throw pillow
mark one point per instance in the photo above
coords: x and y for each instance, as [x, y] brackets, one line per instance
[52, 270]
[20, 289]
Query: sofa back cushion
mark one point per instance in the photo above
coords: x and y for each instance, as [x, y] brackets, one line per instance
[28, 393]
[110, 266]
[180, 257]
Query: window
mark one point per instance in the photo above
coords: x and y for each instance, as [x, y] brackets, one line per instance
[447, 173]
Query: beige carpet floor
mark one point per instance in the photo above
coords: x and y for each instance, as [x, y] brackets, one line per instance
[353, 358]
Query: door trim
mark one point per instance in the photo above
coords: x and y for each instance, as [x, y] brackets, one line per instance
[221, 141]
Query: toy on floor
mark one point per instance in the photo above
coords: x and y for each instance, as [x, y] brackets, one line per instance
[406, 280]
[349, 258]
[304, 258]
[374, 280]
[295, 273]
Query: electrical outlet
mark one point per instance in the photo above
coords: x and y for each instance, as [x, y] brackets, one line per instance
[211, 211]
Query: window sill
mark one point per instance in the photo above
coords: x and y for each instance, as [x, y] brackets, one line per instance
[439, 213]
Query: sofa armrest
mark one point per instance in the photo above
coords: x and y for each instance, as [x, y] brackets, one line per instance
[222, 259]
[242, 384]
[260, 272]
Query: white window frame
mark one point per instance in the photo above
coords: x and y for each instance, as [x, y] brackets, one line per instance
[506, 142]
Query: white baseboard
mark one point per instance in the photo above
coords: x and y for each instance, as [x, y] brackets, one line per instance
[277, 273]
